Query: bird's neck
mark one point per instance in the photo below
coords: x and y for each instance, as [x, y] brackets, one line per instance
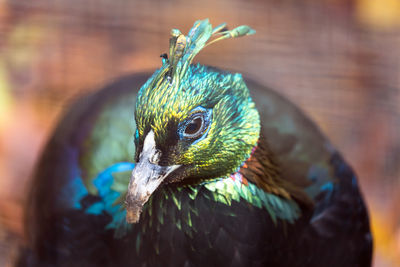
[263, 170]
[257, 182]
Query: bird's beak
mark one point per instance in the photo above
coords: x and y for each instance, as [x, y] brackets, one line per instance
[146, 177]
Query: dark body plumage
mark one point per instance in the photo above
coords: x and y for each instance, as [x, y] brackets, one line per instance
[188, 226]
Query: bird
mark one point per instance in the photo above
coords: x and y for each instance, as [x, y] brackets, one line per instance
[193, 166]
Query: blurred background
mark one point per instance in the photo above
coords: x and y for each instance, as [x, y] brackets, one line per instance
[339, 60]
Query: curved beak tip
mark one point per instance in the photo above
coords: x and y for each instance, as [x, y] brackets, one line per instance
[133, 210]
[132, 216]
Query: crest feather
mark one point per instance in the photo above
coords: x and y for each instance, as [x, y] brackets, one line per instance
[183, 49]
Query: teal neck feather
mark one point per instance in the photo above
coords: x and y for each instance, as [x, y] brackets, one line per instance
[224, 190]
[111, 185]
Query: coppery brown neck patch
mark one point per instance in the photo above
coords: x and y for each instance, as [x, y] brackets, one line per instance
[263, 170]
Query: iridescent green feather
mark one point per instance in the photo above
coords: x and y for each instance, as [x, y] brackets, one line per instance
[182, 210]
[169, 94]
[111, 139]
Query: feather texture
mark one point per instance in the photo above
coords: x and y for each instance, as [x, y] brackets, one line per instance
[73, 219]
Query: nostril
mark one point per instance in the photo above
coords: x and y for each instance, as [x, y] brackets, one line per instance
[154, 159]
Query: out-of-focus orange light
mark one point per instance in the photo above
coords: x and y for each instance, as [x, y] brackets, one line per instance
[379, 14]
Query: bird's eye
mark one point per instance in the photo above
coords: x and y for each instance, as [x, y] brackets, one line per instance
[196, 125]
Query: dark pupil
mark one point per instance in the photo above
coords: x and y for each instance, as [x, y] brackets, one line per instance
[194, 126]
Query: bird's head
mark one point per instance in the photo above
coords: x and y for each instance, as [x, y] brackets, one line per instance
[193, 122]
